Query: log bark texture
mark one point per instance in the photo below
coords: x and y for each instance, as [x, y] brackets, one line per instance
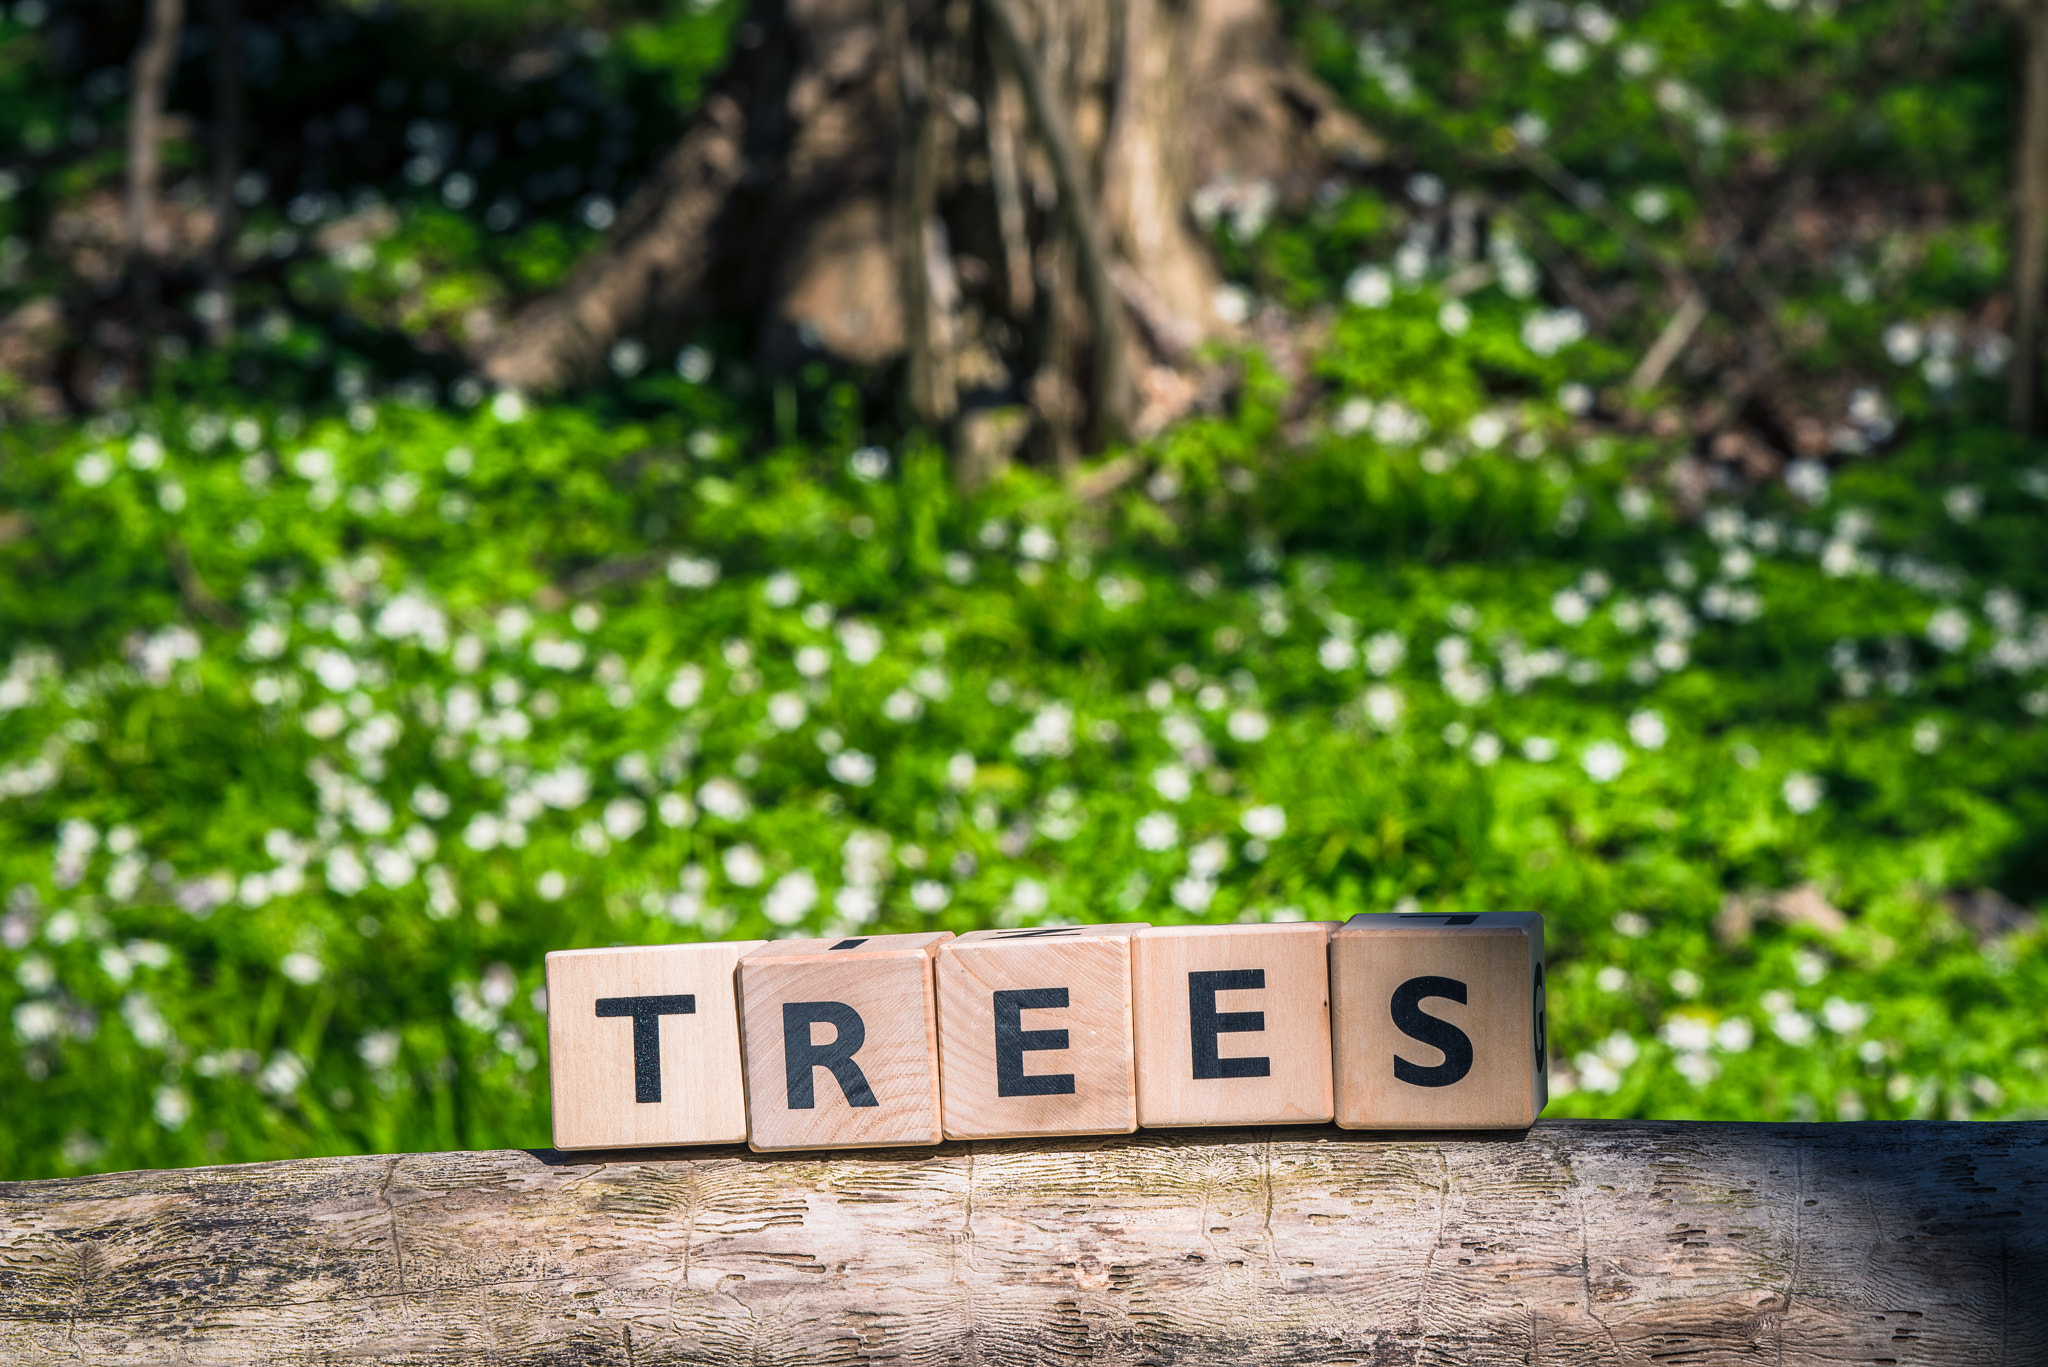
[1577, 1242]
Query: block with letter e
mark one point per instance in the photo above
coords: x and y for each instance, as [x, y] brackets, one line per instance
[1233, 1024]
[841, 1042]
[1439, 1021]
[1035, 1032]
[644, 1046]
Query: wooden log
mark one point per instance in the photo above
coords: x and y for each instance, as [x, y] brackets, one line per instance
[1577, 1242]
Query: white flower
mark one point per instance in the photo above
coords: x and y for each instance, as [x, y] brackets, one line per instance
[724, 799]
[1793, 1027]
[930, 896]
[565, 788]
[1808, 481]
[1232, 303]
[685, 688]
[1844, 1018]
[1158, 831]
[1549, 331]
[1173, 782]
[1193, 894]
[36, 1021]
[1455, 318]
[1264, 823]
[786, 711]
[302, 968]
[624, 817]
[1688, 1033]
[692, 572]
[378, 1049]
[1647, 730]
[172, 1106]
[743, 865]
[483, 832]
[860, 641]
[852, 768]
[1964, 503]
[94, 469]
[1802, 792]
[507, 406]
[345, 871]
[1604, 761]
[1336, 653]
[1369, 287]
[1209, 858]
[283, 1075]
[1036, 543]
[1398, 425]
[1636, 59]
[1903, 343]
[1734, 1035]
[394, 868]
[1567, 56]
[1248, 725]
[1384, 706]
[1612, 978]
[903, 706]
[1384, 652]
[1570, 607]
[1352, 417]
[1540, 749]
[1949, 629]
[791, 898]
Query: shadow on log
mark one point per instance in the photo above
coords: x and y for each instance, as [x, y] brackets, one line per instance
[1577, 1242]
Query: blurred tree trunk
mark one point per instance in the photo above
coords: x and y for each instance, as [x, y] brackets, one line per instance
[155, 61]
[226, 20]
[2030, 215]
[992, 195]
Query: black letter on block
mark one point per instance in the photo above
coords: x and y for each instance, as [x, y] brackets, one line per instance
[1541, 1023]
[1205, 1022]
[1413, 1021]
[647, 1013]
[1012, 1040]
[799, 1055]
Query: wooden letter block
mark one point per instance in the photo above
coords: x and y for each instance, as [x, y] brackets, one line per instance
[1035, 1032]
[842, 1042]
[1440, 1021]
[644, 1046]
[1233, 1024]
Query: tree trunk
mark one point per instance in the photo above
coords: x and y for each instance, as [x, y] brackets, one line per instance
[226, 20]
[155, 61]
[2030, 216]
[1600, 1242]
[992, 194]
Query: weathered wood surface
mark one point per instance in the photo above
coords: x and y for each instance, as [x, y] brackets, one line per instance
[1587, 1242]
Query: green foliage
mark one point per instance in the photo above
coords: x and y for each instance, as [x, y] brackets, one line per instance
[338, 690]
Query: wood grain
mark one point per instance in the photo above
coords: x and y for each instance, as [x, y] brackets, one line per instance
[1577, 1242]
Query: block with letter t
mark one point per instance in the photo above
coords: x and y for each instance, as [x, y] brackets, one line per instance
[1035, 1032]
[1439, 1021]
[644, 1046]
[841, 1042]
[1233, 1024]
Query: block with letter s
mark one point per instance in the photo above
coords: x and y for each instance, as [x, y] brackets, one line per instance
[1439, 1021]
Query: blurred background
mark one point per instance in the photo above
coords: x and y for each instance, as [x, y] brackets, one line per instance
[481, 477]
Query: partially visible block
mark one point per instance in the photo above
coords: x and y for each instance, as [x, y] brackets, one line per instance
[1035, 1032]
[644, 1046]
[1232, 1024]
[1440, 1021]
[842, 1042]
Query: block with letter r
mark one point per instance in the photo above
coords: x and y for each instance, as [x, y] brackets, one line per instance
[841, 1042]
[1439, 1022]
[644, 1046]
[1035, 1032]
[1232, 1024]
